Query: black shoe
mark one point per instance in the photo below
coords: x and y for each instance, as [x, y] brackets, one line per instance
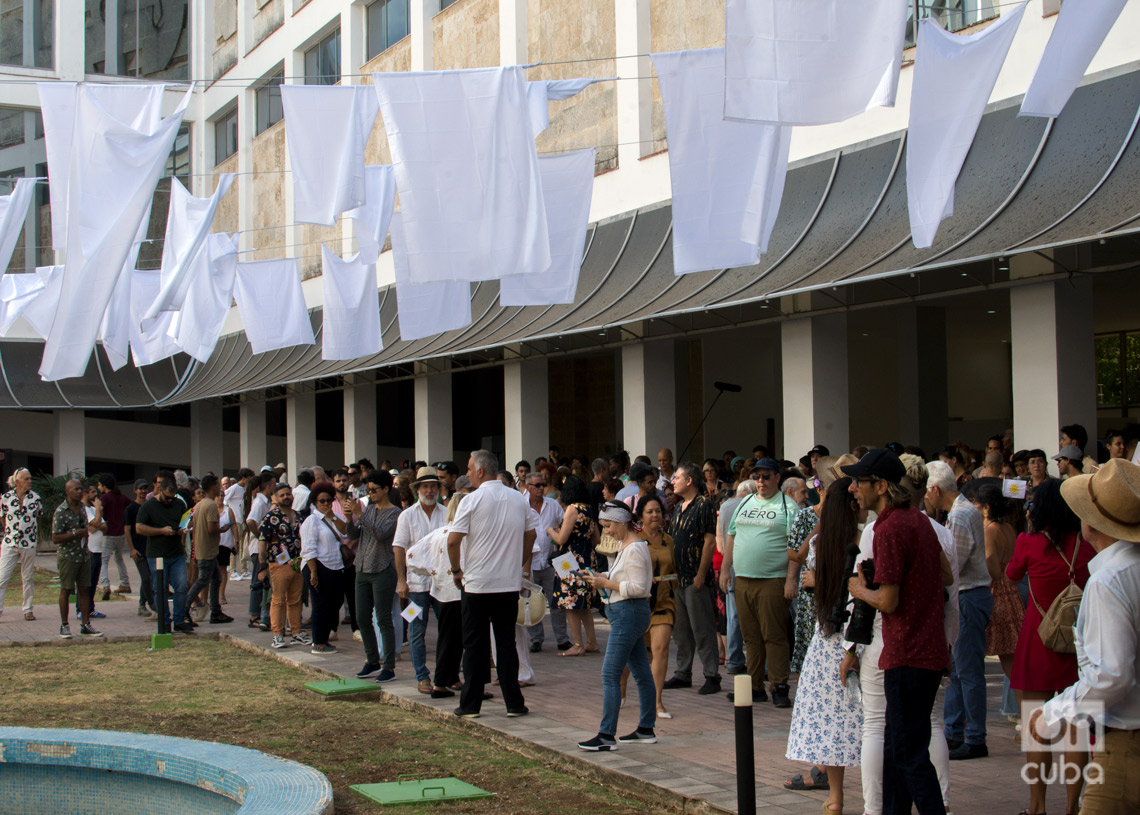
[673, 682]
[520, 711]
[968, 751]
[368, 669]
[598, 744]
[220, 619]
[953, 744]
[565, 646]
[712, 685]
[463, 713]
[535, 647]
[184, 628]
[386, 676]
[441, 693]
[639, 736]
[780, 696]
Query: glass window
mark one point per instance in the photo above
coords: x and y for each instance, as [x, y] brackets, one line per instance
[178, 162]
[322, 61]
[1118, 369]
[11, 126]
[953, 15]
[141, 38]
[387, 24]
[16, 30]
[225, 136]
[445, 3]
[268, 102]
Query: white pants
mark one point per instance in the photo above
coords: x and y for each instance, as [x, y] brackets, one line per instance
[116, 548]
[10, 557]
[522, 648]
[874, 727]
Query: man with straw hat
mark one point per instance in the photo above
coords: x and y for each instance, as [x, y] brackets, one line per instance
[1107, 635]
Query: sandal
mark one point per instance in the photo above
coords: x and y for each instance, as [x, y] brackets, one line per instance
[29, 616]
[574, 651]
[590, 649]
[827, 807]
[818, 782]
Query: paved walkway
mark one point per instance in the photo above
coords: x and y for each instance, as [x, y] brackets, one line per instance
[694, 757]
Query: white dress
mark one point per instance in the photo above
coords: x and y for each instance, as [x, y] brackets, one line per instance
[827, 721]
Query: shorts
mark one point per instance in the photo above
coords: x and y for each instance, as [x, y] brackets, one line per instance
[74, 573]
[224, 553]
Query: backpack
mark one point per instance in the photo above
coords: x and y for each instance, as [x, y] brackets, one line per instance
[1056, 629]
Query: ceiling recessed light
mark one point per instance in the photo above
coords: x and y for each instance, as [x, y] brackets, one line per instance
[991, 311]
[964, 274]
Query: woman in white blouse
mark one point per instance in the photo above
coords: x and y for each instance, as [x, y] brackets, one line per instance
[322, 534]
[625, 591]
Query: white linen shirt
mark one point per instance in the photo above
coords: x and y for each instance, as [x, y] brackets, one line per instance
[300, 498]
[443, 588]
[550, 515]
[633, 572]
[493, 519]
[412, 526]
[320, 541]
[258, 509]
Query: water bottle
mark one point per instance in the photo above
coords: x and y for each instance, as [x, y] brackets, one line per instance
[852, 693]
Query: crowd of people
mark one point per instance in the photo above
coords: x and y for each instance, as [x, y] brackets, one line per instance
[818, 573]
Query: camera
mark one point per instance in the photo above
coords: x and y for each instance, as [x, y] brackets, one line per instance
[862, 615]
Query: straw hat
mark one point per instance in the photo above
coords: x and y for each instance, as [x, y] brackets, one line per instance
[1108, 500]
[425, 474]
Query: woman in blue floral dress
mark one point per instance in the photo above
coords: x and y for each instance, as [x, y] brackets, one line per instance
[577, 536]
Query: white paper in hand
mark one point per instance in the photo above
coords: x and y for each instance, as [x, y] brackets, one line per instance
[1013, 488]
[564, 565]
[412, 612]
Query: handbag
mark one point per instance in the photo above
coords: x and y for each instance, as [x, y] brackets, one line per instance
[532, 606]
[347, 555]
[1056, 629]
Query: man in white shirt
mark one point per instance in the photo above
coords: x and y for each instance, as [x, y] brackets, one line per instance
[489, 548]
[305, 481]
[235, 501]
[547, 513]
[1107, 635]
[259, 572]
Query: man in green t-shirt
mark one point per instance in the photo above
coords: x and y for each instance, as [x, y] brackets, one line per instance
[757, 548]
[69, 531]
[160, 520]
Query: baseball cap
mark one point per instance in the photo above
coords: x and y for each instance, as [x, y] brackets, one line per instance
[819, 448]
[879, 463]
[766, 464]
[1070, 451]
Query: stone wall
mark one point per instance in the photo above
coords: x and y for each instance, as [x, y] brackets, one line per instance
[680, 25]
[467, 35]
[227, 218]
[269, 193]
[268, 18]
[225, 36]
[396, 58]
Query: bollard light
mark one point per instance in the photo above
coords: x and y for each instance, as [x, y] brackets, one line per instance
[745, 750]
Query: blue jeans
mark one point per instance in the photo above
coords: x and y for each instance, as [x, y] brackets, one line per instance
[734, 662]
[964, 709]
[417, 631]
[174, 575]
[629, 620]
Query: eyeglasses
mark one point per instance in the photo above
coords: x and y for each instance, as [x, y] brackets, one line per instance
[870, 479]
[323, 500]
[766, 476]
[373, 488]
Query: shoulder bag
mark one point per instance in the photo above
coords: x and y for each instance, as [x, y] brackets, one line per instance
[1056, 629]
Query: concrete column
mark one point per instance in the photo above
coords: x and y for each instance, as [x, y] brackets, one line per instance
[922, 377]
[814, 363]
[514, 39]
[1053, 361]
[69, 42]
[635, 91]
[422, 33]
[69, 445]
[649, 399]
[300, 432]
[206, 444]
[434, 440]
[526, 410]
[360, 421]
[252, 426]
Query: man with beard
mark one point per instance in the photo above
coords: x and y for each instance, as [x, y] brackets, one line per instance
[413, 525]
[207, 535]
[159, 520]
[280, 535]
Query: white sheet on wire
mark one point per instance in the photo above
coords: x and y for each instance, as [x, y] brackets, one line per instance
[57, 108]
[541, 92]
[809, 62]
[114, 331]
[272, 305]
[370, 220]
[188, 223]
[152, 344]
[954, 76]
[13, 213]
[351, 318]
[426, 309]
[40, 311]
[727, 178]
[198, 325]
[326, 129]
[1077, 35]
[467, 171]
[111, 182]
[567, 187]
[17, 291]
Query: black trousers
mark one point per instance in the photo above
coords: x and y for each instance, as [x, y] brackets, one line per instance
[209, 574]
[327, 596]
[908, 774]
[499, 611]
[350, 595]
[448, 643]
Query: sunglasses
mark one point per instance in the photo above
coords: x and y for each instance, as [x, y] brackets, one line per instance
[766, 476]
[323, 501]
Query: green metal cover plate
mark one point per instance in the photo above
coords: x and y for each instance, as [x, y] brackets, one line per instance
[415, 790]
[340, 687]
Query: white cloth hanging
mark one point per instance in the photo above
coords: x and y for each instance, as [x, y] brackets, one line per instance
[57, 109]
[272, 305]
[1077, 35]
[111, 182]
[188, 223]
[197, 327]
[540, 93]
[425, 309]
[115, 331]
[466, 167]
[326, 129]
[567, 188]
[17, 291]
[954, 76]
[40, 311]
[351, 319]
[370, 220]
[810, 62]
[727, 178]
[152, 344]
[13, 212]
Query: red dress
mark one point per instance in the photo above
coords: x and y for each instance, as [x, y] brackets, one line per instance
[1035, 667]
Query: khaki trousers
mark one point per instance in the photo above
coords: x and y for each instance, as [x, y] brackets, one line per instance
[286, 584]
[763, 615]
[1120, 792]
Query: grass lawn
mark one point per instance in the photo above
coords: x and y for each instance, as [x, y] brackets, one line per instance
[47, 590]
[207, 689]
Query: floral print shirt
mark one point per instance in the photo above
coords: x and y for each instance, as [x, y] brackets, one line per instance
[279, 534]
[688, 528]
[20, 531]
[67, 520]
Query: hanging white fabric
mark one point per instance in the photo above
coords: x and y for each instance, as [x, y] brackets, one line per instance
[57, 109]
[426, 309]
[111, 182]
[326, 130]
[198, 325]
[188, 222]
[727, 178]
[40, 311]
[810, 62]
[350, 325]
[954, 76]
[540, 93]
[1078, 33]
[152, 344]
[114, 331]
[370, 220]
[272, 305]
[13, 212]
[467, 170]
[567, 188]
[17, 291]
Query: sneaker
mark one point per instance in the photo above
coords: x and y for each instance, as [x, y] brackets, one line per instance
[235, 576]
[97, 615]
[535, 647]
[712, 685]
[245, 576]
[143, 612]
[639, 736]
[65, 632]
[466, 714]
[85, 630]
[368, 669]
[357, 636]
[301, 638]
[968, 751]
[517, 712]
[598, 744]
[220, 619]
[333, 636]
[386, 676]
[279, 642]
[184, 628]
[323, 649]
[673, 682]
[780, 696]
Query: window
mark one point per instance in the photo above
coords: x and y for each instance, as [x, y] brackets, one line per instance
[225, 136]
[953, 15]
[322, 61]
[1118, 370]
[18, 29]
[267, 99]
[140, 38]
[178, 162]
[387, 24]
[11, 126]
[445, 3]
